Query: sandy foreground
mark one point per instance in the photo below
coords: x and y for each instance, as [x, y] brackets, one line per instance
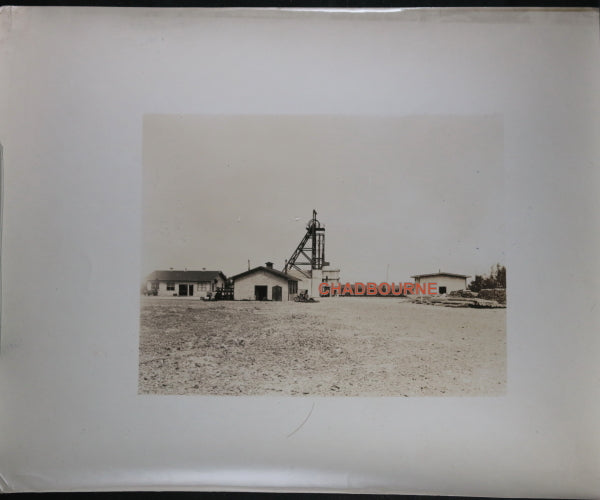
[342, 346]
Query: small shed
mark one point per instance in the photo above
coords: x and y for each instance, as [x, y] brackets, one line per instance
[264, 283]
[446, 282]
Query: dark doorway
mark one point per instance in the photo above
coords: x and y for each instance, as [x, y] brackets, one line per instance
[442, 289]
[260, 292]
[185, 290]
[276, 291]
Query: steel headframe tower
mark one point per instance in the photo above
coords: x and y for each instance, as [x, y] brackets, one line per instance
[312, 248]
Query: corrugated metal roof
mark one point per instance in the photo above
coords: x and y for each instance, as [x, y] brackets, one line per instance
[195, 276]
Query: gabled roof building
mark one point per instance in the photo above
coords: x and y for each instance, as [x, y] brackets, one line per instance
[174, 283]
[446, 282]
[264, 283]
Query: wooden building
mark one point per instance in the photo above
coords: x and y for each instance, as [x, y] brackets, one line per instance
[264, 283]
[446, 282]
[184, 283]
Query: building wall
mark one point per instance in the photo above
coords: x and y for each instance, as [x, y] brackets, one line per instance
[310, 285]
[318, 276]
[243, 288]
[316, 280]
[451, 283]
[304, 283]
[331, 275]
[198, 292]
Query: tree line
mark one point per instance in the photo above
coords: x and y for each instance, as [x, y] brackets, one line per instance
[496, 279]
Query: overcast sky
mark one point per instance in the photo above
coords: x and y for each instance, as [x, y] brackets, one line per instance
[398, 195]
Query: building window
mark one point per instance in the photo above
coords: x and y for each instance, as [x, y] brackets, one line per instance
[170, 286]
[292, 287]
[203, 286]
[442, 290]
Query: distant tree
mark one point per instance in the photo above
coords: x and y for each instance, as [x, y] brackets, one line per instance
[476, 284]
[500, 276]
[496, 279]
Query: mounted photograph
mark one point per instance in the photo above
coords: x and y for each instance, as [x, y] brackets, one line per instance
[317, 255]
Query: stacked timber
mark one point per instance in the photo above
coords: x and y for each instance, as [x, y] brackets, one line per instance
[464, 293]
[457, 301]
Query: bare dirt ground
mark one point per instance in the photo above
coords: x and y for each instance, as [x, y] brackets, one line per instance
[342, 346]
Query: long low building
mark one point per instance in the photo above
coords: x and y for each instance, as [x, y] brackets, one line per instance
[264, 283]
[446, 282]
[184, 283]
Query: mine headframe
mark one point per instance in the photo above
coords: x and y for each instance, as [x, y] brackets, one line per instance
[311, 248]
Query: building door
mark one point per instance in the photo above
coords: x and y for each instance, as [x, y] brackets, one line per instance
[276, 292]
[260, 292]
[183, 290]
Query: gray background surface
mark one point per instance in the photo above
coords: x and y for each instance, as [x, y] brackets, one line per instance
[74, 88]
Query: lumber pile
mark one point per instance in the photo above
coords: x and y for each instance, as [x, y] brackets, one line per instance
[464, 293]
[457, 301]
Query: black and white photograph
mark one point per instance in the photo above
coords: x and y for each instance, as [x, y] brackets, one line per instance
[323, 256]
